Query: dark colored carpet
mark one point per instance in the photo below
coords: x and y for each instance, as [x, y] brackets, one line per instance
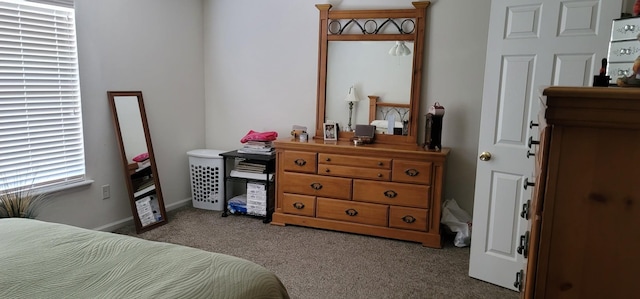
[314, 263]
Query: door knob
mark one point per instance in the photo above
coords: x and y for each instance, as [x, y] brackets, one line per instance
[485, 156]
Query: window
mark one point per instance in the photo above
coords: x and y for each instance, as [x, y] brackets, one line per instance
[40, 117]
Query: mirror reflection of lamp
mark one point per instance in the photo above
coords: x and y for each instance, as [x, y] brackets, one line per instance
[351, 98]
[400, 49]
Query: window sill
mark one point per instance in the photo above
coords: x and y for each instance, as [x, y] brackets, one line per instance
[64, 187]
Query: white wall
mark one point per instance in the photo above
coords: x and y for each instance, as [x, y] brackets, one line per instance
[627, 6]
[154, 46]
[261, 72]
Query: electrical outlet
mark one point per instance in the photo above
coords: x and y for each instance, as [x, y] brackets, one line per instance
[106, 191]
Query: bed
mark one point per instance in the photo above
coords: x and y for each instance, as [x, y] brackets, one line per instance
[48, 260]
[381, 112]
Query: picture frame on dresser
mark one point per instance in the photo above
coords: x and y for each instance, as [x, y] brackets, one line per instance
[330, 131]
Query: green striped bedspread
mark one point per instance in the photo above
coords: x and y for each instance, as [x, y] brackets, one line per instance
[47, 260]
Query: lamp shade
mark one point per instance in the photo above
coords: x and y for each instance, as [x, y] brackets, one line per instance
[351, 96]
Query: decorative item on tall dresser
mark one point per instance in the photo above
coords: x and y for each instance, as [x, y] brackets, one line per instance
[138, 160]
[602, 79]
[391, 188]
[351, 98]
[624, 49]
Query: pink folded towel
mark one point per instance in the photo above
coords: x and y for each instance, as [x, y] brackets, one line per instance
[259, 136]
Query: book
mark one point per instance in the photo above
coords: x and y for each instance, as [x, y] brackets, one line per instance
[250, 151]
[251, 175]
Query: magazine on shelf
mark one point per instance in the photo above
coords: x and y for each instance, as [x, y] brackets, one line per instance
[257, 152]
[250, 175]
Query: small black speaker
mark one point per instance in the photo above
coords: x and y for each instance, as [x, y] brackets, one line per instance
[433, 132]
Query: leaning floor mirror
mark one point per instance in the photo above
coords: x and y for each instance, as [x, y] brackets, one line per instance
[138, 160]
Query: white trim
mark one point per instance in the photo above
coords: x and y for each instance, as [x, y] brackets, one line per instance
[62, 187]
[110, 227]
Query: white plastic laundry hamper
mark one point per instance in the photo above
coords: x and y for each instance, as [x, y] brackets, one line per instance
[207, 179]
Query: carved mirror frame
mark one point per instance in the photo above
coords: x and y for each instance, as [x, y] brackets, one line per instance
[359, 18]
[129, 167]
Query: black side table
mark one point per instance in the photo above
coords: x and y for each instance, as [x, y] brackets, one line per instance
[268, 179]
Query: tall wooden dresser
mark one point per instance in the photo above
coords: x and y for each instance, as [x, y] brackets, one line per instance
[584, 240]
[391, 191]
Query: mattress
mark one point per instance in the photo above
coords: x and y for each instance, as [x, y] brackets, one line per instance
[47, 260]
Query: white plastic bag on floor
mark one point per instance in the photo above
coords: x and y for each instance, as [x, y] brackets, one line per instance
[458, 221]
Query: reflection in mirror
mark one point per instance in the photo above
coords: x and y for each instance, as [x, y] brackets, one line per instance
[138, 160]
[368, 66]
[129, 117]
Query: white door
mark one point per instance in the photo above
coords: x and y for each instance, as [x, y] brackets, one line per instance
[531, 44]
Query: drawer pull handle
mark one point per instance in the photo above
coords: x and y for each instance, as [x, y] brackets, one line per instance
[409, 219]
[527, 184]
[316, 186]
[525, 210]
[518, 283]
[532, 142]
[327, 170]
[625, 51]
[532, 124]
[623, 72]
[629, 27]
[529, 154]
[379, 175]
[298, 205]
[390, 193]
[351, 212]
[328, 159]
[524, 244]
[380, 164]
[412, 172]
[300, 162]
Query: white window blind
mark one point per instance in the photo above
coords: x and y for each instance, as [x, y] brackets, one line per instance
[40, 117]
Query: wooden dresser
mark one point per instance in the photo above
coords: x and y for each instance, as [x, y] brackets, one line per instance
[391, 191]
[584, 239]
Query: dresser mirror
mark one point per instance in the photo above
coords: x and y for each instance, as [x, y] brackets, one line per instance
[138, 160]
[355, 51]
[350, 64]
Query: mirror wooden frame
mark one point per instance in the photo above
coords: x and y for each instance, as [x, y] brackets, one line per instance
[418, 15]
[126, 163]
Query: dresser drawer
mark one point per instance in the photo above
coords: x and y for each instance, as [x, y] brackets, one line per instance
[299, 161]
[625, 29]
[344, 160]
[316, 185]
[407, 171]
[304, 205]
[619, 69]
[408, 218]
[624, 51]
[359, 212]
[408, 195]
[354, 172]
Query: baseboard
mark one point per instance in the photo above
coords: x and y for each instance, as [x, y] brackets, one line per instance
[109, 227]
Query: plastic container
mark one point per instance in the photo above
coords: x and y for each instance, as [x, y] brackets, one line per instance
[206, 170]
